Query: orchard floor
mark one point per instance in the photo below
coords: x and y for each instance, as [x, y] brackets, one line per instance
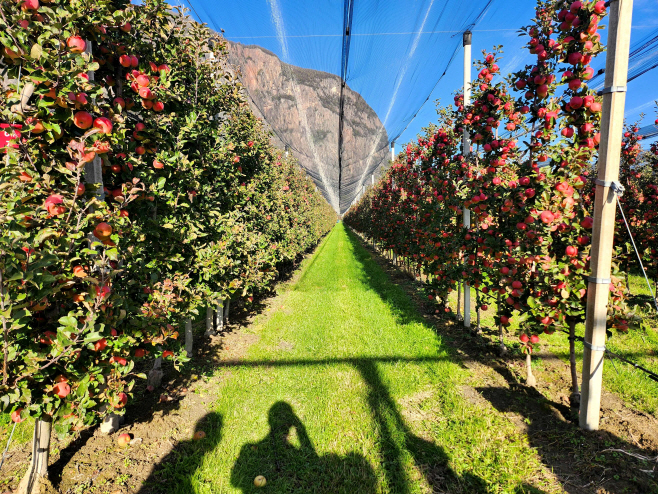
[343, 384]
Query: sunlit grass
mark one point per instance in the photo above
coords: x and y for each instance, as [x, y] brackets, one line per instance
[348, 390]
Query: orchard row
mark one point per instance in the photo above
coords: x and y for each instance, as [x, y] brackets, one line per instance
[527, 179]
[137, 189]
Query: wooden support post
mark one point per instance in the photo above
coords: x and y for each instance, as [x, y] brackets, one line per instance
[612, 126]
[466, 150]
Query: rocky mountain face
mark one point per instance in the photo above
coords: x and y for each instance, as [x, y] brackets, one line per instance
[302, 106]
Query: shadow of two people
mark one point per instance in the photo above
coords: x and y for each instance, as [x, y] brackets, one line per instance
[286, 466]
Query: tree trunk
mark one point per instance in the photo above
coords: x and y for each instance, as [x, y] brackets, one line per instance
[210, 329]
[575, 391]
[530, 380]
[459, 301]
[478, 328]
[38, 469]
[155, 375]
[189, 338]
[227, 308]
[502, 349]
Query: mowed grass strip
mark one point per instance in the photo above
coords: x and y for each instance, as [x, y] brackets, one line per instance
[346, 390]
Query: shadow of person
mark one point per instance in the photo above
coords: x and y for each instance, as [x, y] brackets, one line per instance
[290, 467]
[176, 470]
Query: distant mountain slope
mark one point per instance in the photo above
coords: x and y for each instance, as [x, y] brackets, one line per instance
[302, 106]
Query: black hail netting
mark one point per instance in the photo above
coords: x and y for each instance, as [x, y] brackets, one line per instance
[339, 81]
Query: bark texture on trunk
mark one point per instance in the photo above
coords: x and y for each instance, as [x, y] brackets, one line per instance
[37, 472]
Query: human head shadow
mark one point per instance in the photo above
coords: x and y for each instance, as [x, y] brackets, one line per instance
[288, 467]
[175, 472]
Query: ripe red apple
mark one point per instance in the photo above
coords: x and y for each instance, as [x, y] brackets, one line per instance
[134, 61]
[103, 230]
[53, 205]
[167, 353]
[120, 102]
[547, 217]
[534, 338]
[83, 120]
[16, 416]
[103, 124]
[126, 27]
[124, 60]
[123, 440]
[62, 389]
[145, 93]
[572, 251]
[587, 222]
[140, 150]
[140, 352]
[29, 4]
[79, 272]
[118, 360]
[158, 106]
[164, 68]
[524, 338]
[76, 44]
[100, 345]
[198, 435]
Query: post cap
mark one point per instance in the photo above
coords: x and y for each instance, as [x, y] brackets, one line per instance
[468, 36]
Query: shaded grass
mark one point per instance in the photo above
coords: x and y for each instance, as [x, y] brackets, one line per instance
[348, 390]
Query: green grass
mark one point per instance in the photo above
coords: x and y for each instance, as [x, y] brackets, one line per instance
[346, 390]
[638, 346]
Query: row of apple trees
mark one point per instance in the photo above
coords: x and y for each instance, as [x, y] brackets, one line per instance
[527, 180]
[136, 188]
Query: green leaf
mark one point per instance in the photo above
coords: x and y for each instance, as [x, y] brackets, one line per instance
[36, 51]
[68, 321]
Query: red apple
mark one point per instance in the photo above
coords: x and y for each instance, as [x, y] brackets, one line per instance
[123, 440]
[103, 230]
[83, 120]
[103, 124]
[16, 415]
[62, 389]
[524, 338]
[76, 44]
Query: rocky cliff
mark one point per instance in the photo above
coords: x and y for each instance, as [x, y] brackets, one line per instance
[301, 106]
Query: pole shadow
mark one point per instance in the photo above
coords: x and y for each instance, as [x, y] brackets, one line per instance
[551, 427]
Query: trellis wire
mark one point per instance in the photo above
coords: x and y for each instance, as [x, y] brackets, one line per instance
[628, 228]
[2, 462]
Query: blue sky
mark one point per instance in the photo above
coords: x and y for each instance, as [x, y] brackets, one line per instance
[400, 49]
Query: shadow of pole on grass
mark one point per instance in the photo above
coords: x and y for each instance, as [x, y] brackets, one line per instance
[175, 472]
[548, 422]
[397, 441]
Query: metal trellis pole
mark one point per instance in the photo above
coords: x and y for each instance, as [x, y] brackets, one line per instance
[466, 149]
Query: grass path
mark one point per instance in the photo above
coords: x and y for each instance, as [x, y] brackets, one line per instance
[346, 390]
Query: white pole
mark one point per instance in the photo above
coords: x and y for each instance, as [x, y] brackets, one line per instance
[392, 151]
[466, 151]
[372, 179]
[612, 123]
